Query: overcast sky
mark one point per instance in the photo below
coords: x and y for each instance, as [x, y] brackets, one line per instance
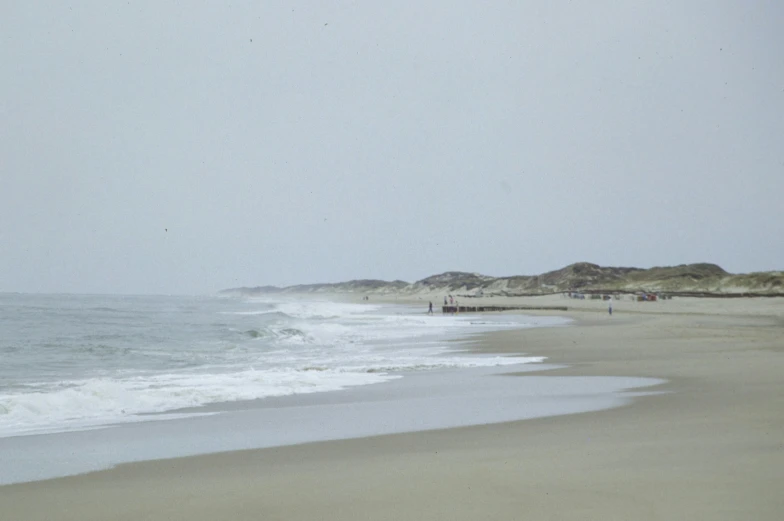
[162, 147]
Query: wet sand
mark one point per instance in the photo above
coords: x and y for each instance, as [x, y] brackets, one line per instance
[710, 448]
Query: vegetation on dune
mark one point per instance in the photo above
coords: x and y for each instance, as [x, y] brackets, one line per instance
[700, 278]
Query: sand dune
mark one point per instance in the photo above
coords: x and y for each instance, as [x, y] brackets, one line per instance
[687, 279]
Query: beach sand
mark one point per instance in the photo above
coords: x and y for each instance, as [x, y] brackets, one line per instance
[711, 447]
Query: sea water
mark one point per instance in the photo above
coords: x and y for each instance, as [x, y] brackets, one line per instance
[70, 363]
[90, 382]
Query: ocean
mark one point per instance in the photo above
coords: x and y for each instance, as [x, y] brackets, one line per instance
[76, 362]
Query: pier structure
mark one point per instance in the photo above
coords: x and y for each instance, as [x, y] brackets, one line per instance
[485, 309]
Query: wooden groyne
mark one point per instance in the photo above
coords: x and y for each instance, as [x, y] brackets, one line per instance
[483, 309]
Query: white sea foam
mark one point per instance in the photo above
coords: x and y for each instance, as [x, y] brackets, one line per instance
[179, 355]
[98, 401]
[323, 308]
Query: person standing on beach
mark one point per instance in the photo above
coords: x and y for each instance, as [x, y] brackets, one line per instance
[430, 309]
[610, 308]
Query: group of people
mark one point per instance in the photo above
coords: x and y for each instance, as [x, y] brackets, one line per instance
[448, 301]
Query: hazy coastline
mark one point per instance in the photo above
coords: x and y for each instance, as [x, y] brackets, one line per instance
[706, 448]
[383, 261]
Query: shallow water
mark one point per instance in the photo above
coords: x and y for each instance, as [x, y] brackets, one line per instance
[419, 401]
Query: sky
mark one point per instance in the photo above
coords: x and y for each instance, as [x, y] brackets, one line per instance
[185, 147]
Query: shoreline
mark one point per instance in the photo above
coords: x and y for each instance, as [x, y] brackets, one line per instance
[411, 401]
[252, 353]
[711, 449]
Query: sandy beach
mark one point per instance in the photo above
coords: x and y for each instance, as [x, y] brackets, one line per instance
[711, 446]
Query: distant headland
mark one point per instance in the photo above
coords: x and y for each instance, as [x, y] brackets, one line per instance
[703, 279]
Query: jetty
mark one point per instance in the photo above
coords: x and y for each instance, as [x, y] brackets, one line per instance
[484, 309]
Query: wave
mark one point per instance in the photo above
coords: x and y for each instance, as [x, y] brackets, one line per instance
[464, 363]
[103, 350]
[252, 313]
[82, 403]
[99, 401]
[227, 350]
[321, 310]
